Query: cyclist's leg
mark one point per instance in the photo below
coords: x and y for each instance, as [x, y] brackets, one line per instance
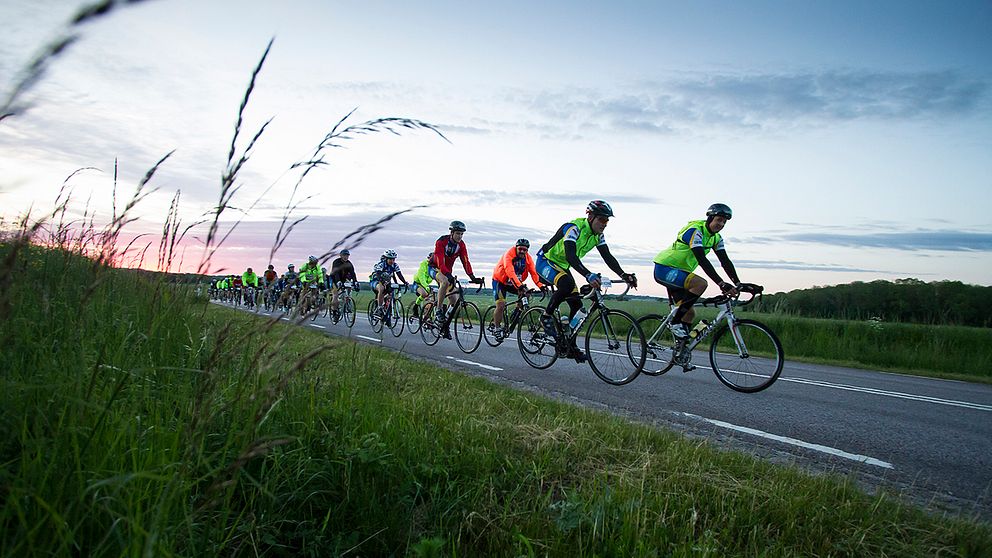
[685, 288]
[499, 295]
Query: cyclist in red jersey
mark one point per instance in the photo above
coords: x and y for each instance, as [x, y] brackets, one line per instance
[448, 248]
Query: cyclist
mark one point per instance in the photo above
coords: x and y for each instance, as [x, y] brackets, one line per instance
[290, 282]
[446, 249]
[674, 266]
[564, 251]
[511, 271]
[382, 276]
[269, 276]
[312, 276]
[341, 270]
[237, 288]
[423, 278]
[249, 279]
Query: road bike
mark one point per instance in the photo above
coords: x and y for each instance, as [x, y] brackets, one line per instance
[745, 354]
[346, 306]
[462, 316]
[390, 313]
[614, 343]
[495, 336]
[415, 311]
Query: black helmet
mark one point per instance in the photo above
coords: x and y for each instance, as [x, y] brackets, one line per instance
[346, 252]
[523, 242]
[600, 207]
[455, 226]
[312, 259]
[719, 209]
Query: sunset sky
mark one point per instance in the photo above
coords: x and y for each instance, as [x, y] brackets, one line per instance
[853, 140]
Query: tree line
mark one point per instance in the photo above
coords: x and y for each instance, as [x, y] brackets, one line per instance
[904, 300]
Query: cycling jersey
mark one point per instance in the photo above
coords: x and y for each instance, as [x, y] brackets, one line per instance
[513, 270]
[342, 271]
[423, 276]
[311, 273]
[445, 252]
[237, 282]
[694, 235]
[383, 272]
[291, 278]
[577, 231]
[270, 275]
[249, 279]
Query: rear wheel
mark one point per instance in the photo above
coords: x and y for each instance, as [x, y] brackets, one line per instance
[659, 344]
[614, 346]
[489, 330]
[746, 356]
[536, 346]
[429, 331]
[374, 319]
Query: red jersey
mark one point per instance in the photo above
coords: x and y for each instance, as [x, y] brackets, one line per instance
[445, 252]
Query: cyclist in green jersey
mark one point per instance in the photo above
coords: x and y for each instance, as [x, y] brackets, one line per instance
[564, 251]
[422, 279]
[674, 266]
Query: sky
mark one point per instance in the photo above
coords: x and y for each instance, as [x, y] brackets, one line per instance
[852, 139]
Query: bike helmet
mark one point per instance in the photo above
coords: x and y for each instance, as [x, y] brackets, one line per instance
[430, 256]
[249, 270]
[456, 226]
[312, 259]
[271, 267]
[389, 254]
[719, 209]
[600, 207]
[523, 242]
[346, 252]
[291, 266]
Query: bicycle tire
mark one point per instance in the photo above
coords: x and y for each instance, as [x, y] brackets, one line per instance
[413, 318]
[488, 331]
[614, 346]
[429, 331]
[349, 312]
[762, 361]
[396, 323]
[467, 327]
[659, 344]
[538, 349]
[374, 320]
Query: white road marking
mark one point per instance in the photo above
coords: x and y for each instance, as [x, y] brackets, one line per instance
[369, 338]
[792, 441]
[320, 326]
[479, 364]
[896, 394]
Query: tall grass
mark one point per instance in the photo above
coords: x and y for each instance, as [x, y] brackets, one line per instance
[136, 420]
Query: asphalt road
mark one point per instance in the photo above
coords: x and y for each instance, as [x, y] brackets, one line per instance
[928, 440]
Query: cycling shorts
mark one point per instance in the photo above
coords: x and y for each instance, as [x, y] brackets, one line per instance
[671, 276]
[500, 290]
[549, 271]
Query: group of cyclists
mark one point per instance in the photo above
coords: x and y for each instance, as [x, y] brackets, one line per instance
[674, 268]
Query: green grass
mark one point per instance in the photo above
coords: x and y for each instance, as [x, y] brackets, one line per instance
[136, 419]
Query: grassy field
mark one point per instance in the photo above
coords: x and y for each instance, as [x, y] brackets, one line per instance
[138, 420]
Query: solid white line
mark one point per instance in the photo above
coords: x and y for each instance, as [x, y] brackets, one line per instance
[479, 364]
[817, 447]
[369, 338]
[896, 394]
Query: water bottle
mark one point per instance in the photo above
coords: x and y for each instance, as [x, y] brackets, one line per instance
[577, 320]
[698, 330]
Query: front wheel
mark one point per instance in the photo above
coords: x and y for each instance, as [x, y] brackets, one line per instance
[659, 344]
[396, 318]
[746, 356]
[614, 346]
[536, 346]
[467, 325]
[348, 309]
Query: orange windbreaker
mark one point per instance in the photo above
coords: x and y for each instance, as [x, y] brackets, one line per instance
[504, 272]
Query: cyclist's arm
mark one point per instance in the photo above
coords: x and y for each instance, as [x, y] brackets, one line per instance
[704, 263]
[402, 279]
[611, 262]
[573, 258]
[728, 266]
[463, 256]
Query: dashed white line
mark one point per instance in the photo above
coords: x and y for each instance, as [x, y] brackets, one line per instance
[369, 338]
[792, 441]
[479, 364]
[320, 326]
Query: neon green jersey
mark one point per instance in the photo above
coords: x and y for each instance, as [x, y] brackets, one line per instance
[579, 232]
[423, 277]
[694, 235]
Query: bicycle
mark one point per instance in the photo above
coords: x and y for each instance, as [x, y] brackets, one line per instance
[391, 313]
[747, 345]
[495, 336]
[346, 306]
[463, 314]
[416, 310]
[614, 343]
[309, 304]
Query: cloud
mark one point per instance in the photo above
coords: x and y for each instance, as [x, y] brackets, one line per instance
[769, 265]
[942, 240]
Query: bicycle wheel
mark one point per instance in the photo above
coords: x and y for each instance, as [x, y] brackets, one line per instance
[413, 318]
[371, 312]
[537, 348]
[374, 318]
[396, 318]
[659, 344]
[467, 326]
[747, 358]
[348, 309]
[429, 331]
[614, 346]
[489, 330]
